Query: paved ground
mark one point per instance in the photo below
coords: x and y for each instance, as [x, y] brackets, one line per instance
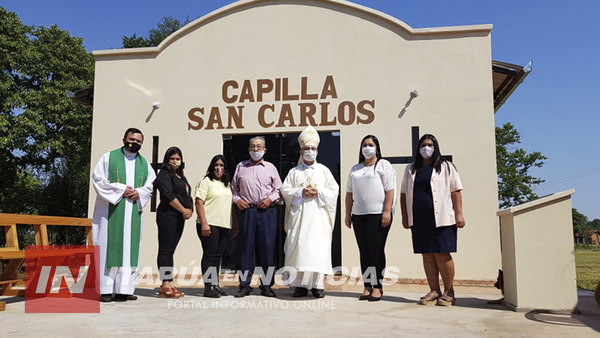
[338, 314]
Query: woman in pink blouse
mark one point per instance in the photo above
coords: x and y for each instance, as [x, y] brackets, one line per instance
[431, 205]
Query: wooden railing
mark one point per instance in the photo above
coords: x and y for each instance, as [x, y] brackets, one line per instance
[9, 279]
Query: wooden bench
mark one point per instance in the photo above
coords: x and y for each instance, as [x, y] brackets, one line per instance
[10, 283]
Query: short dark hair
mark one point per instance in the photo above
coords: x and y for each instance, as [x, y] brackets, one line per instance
[133, 131]
[361, 157]
[210, 171]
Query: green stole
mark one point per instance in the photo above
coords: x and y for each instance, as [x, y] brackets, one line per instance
[117, 171]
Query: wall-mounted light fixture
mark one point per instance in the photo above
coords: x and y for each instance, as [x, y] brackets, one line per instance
[413, 94]
[155, 106]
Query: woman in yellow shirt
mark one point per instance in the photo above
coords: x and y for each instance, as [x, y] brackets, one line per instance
[215, 217]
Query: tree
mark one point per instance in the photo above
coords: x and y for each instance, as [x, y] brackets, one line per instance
[594, 224]
[513, 165]
[165, 27]
[44, 135]
[580, 224]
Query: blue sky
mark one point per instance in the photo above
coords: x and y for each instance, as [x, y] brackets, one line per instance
[554, 109]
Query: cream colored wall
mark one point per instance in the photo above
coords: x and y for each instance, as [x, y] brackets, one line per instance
[537, 254]
[371, 56]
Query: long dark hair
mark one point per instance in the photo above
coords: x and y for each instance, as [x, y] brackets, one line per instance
[165, 166]
[361, 157]
[210, 172]
[436, 158]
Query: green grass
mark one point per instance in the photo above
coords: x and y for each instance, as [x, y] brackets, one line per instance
[587, 264]
[586, 247]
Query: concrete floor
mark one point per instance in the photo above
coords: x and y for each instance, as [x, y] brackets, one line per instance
[338, 314]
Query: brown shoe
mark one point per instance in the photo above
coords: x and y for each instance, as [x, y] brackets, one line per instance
[166, 292]
[181, 294]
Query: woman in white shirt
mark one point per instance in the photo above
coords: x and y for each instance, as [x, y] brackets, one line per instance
[431, 205]
[370, 199]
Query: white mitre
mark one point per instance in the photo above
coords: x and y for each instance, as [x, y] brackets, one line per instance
[308, 137]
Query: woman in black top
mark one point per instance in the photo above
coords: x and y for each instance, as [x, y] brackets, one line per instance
[174, 208]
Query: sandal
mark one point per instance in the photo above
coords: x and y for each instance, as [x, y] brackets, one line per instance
[446, 300]
[167, 293]
[181, 294]
[430, 298]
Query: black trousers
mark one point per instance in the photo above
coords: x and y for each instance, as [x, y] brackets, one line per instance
[371, 238]
[213, 247]
[170, 228]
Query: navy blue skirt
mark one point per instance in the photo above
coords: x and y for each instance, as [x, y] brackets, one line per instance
[426, 237]
[440, 240]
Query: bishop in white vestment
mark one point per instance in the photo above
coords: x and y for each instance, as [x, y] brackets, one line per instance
[123, 181]
[310, 192]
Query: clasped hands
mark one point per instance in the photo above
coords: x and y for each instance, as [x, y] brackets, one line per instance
[310, 191]
[131, 194]
[187, 213]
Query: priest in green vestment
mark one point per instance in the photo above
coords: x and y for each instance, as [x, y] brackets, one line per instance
[122, 180]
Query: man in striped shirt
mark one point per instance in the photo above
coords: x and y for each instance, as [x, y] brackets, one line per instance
[256, 189]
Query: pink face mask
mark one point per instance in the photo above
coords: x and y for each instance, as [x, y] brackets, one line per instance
[219, 170]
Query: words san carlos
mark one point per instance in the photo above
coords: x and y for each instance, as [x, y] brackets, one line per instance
[289, 110]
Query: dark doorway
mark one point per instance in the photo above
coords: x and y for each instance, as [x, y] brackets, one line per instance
[283, 151]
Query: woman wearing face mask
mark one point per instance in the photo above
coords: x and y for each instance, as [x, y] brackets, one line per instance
[431, 205]
[215, 217]
[174, 208]
[370, 200]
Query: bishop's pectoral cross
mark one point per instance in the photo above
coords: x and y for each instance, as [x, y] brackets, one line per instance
[308, 183]
[415, 147]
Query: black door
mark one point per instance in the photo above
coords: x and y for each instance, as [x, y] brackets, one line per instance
[283, 151]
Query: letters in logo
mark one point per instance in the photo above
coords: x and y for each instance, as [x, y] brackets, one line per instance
[62, 279]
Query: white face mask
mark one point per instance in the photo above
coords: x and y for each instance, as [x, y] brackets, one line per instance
[426, 152]
[309, 155]
[368, 152]
[175, 164]
[257, 155]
